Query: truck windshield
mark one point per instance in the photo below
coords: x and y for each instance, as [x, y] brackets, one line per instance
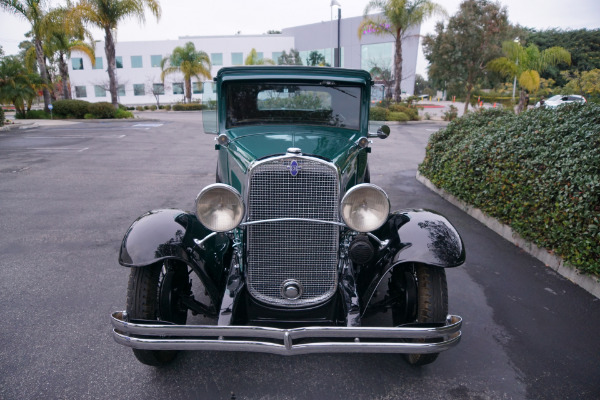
[323, 103]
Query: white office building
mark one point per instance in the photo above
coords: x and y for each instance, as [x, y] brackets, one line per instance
[138, 63]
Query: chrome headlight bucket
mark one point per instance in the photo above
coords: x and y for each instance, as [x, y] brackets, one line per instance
[219, 207]
[365, 207]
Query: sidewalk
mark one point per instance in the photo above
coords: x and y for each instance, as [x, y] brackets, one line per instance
[33, 123]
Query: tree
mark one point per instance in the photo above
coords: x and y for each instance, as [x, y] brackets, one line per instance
[526, 63]
[293, 58]
[253, 59]
[18, 85]
[106, 15]
[316, 59]
[398, 17]
[458, 54]
[157, 89]
[189, 62]
[64, 36]
[583, 44]
[33, 11]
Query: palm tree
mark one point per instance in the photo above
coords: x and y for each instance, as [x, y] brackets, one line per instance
[189, 62]
[18, 85]
[34, 12]
[64, 36]
[106, 15]
[398, 17]
[253, 59]
[526, 63]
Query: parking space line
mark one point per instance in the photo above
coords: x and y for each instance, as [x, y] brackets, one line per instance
[57, 149]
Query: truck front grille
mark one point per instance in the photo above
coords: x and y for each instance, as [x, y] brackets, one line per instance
[303, 251]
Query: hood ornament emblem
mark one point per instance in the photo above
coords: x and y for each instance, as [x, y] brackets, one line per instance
[294, 168]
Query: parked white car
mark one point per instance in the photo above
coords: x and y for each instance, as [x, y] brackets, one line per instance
[561, 99]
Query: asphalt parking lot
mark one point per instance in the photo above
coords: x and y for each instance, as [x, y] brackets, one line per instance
[68, 193]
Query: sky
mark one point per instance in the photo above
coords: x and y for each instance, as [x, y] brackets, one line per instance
[227, 17]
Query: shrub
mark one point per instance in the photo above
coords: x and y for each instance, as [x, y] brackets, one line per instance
[2, 116]
[146, 107]
[167, 107]
[89, 116]
[451, 114]
[102, 110]
[187, 107]
[412, 113]
[139, 108]
[378, 114]
[123, 114]
[130, 108]
[34, 114]
[153, 107]
[537, 172]
[398, 116]
[70, 108]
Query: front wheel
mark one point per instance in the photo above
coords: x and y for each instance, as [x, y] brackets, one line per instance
[432, 304]
[154, 293]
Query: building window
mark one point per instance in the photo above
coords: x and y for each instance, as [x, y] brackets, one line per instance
[237, 58]
[139, 89]
[376, 55]
[178, 88]
[197, 87]
[121, 90]
[155, 60]
[275, 56]
[216, 58]
[158, 88]
[80, 91]
[259, 55]
[99, 91]
[119, 62]
[99, 64]
[136, 61]
[77, 63]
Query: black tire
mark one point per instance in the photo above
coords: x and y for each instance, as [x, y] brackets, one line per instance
[153, 289]
[367, 178]
[432, 304]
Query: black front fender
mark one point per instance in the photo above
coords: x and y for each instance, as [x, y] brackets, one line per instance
[414, 236]
[158, 235]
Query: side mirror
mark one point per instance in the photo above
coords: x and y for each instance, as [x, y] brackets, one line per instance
[382, 133]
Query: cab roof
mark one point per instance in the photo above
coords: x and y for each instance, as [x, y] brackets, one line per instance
[293, 73]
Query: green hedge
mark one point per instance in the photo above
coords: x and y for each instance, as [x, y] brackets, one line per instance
[187, 107]
[102, 110]
[538, 171]
[70, 108]
[2, 117]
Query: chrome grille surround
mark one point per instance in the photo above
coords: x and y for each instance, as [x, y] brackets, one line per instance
[302, 250]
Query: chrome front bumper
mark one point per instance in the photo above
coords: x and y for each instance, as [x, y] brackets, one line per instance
[314, 339]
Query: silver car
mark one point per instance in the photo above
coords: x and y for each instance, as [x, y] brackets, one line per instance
[561, 99]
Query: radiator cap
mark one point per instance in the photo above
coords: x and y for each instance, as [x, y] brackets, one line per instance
[294, 150]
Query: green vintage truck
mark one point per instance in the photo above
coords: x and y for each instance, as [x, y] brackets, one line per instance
[292, 250]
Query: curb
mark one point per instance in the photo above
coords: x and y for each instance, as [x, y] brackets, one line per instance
[13, 127]
[587, 282]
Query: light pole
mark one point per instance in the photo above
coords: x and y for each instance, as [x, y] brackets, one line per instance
[337, 52]
[515, 80]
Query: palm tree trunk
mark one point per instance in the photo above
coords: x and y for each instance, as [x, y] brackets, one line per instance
[188, 89]
[111, 59]
[64, 74]
[39, 52]
[398, 66]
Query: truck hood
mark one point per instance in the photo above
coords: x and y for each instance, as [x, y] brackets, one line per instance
[250, 144]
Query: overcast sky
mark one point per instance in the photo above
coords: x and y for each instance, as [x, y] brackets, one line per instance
[226, 17]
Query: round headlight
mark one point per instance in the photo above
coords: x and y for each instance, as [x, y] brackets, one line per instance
[365, 207]
[219, 207]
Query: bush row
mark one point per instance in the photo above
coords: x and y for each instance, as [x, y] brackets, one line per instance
[538, 171]
[394, 112]
[83, 109]
[2, 117]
